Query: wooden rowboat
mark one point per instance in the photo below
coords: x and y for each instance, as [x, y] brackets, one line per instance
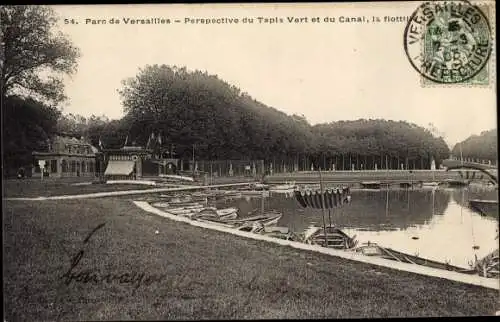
[266, 219]
[372, 249]
[184, 203]
[332, 237]
[161, 204]
[283, 187]
[184, 211]
[251, 227]
[256, 193]
[485, 207]
[279, 232]
[218, 214]
[489, 266]
[260, 186]
[170, 205]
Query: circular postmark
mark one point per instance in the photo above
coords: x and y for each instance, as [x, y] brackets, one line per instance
[448, 41]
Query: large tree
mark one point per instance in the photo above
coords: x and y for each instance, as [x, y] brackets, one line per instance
[194, 108]
[33, 55]
[33, 59]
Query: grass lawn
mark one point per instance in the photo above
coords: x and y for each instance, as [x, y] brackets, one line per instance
[192, 273]
[57, 187]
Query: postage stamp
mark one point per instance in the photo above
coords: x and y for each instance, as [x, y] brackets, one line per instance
[450, 43]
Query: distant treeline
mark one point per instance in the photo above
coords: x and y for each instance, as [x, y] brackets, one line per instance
[192, 110]
[478, 147]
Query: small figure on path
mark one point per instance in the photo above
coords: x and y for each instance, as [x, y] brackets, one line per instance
[21, 173]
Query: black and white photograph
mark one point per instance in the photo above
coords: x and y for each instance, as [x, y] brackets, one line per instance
[249, 161]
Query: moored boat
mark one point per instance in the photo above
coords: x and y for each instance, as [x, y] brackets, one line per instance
[184, 203]
[188, 212]
[161, 204]
[332, 237]
[456, 182]
[256, 193]
[432, 184]
[272, 218]
[371, 184]
[215, 222]
[218, 214]
[489, 266]
[270, 231]
[259, 186]
[283, 187]
[268, 218]
[251, 227]
[179, 210]
[225, 194]
[373, 249]
[485, 207]
[185, 198]
[279, 232]
[232, 194]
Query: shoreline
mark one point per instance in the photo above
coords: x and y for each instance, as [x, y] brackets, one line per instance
[412, 268]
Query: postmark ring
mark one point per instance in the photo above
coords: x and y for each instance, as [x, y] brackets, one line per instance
[448, 41]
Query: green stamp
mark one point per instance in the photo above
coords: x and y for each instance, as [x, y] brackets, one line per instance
[450, 42]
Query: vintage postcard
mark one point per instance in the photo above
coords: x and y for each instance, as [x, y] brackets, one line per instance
[249, 161]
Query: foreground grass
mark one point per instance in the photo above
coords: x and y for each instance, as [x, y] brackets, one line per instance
[51, 187]
[206, 274]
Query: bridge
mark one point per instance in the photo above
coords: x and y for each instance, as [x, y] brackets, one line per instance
[449, 163]
[384, 177]
[359, 176]
[469, 169]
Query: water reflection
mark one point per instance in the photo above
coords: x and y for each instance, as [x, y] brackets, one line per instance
[370, 210]
[434, 224]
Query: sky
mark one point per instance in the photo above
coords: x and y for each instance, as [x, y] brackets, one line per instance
[327, 71]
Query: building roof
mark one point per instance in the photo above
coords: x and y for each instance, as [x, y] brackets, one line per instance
[60, 140]
[129, 148]
[67, 139]
[133, 148]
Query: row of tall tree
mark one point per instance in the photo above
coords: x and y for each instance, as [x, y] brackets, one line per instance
[193, 111]
[478, 147]
[379, 143]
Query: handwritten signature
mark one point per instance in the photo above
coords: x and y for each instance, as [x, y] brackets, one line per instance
[132, 278]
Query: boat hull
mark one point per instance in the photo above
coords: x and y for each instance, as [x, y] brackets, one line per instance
[287, 187]
[265, 219]
[489, 266]
[372, 249]
[183, 211]
[332, 238]
[485, 207]
[218, 215]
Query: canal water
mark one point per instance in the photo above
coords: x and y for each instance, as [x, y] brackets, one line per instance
[431, 223]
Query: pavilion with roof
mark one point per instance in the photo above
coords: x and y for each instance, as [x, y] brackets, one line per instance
[66, 155]
[132, 162]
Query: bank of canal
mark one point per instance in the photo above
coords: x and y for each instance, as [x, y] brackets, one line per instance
[431, 223]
